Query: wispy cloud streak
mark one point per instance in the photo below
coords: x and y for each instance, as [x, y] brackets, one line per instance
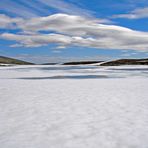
[66, 7]
[36, 6]
[29, 8]
[17, 9]
[135, 14]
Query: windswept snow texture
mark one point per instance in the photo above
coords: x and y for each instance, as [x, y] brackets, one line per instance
[73, 107]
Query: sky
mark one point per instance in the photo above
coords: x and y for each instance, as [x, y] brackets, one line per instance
[43, 31]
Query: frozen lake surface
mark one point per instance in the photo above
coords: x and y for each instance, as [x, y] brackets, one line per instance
[74, 107]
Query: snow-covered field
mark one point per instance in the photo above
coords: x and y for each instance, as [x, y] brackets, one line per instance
[74, 107]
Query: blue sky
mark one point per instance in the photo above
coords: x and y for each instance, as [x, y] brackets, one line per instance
[68, 30]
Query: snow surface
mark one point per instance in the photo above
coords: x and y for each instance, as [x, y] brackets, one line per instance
[39, 110]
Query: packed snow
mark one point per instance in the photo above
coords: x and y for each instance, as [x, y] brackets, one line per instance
[73, 107]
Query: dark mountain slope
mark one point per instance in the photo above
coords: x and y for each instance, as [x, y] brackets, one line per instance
[82, 62]
[126, 62]
[6, 60]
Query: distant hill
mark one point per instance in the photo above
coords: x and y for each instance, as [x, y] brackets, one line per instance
[49, 63]
[6, 60]
[126, 62]
[82, 62]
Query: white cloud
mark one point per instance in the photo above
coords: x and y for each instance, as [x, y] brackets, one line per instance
[135, 14]
[38, 39]
[61, 23]
[71, 30]
[8, 22]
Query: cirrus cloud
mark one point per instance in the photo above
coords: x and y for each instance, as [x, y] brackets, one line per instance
[135, 14]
